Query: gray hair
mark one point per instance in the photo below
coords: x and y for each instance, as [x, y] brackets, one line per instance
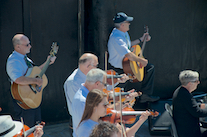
[117, 25]
[187, 76]
[84, 60]
[95, 75]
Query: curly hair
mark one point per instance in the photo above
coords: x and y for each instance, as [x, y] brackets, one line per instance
[104, 129]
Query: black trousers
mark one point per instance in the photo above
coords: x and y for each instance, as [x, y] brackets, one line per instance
[30, 116]
[146, 86]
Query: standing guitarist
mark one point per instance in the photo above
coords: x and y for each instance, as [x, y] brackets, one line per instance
[119, 45]
[16, 67]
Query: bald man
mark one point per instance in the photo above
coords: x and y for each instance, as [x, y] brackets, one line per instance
[86, 62]
[16, 68]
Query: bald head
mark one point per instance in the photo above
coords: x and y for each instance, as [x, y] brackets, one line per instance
[17, 39]
[21, 44]
[87, 62]
[87, 57]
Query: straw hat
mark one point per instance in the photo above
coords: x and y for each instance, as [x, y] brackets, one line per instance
[8, 127]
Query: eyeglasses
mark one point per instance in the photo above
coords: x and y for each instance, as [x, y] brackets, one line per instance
[96, 66]
[27, 44]
[105, 104]
[105, 84]
[196, 81]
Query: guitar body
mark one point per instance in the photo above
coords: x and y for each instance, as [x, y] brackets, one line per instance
[29, 96]
[131, 68]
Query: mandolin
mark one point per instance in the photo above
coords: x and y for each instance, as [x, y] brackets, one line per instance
[30, 96]
[132, 68]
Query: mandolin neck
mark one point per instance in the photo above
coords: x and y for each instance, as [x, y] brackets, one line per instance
[143, 46]
[144, 42]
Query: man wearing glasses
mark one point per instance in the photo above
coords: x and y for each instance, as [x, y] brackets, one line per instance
[16, 67]
[86, 62]
[95, 79]
[186, 111]
[119, 45]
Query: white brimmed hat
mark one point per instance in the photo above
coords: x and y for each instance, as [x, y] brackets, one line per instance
[8, 127]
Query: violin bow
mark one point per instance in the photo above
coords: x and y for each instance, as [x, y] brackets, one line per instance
[122, 126]
[112, 79]
[106, 61]
[23, 127]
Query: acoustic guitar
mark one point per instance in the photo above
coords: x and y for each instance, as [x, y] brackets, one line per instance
[30, 96]
[132, 68]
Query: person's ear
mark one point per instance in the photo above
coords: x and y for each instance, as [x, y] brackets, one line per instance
[95, 109]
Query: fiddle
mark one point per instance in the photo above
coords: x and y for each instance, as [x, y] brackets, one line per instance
[128, 115]
[28, 131]
[119, 91]
[115, 76]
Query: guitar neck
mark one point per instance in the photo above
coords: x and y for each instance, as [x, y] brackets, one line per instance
[45, 67]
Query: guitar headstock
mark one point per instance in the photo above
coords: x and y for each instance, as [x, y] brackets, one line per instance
[146, 29]
[54, 49]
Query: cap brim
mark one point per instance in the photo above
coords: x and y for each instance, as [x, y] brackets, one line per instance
[129, 19]
[18, 127]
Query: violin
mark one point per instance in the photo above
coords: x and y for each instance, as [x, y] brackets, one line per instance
[27, 132]
[119, 91]
[115, 76]
[128, 115]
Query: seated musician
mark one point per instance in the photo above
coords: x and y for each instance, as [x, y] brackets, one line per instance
[86, 62]
[186, 111]
[10, 128]
[119, 45]
[96, 105]
[16, 67]
[95, 79]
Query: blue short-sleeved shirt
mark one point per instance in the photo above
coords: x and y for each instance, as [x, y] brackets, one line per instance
[118, 46]
[85, 128]
[16, 66]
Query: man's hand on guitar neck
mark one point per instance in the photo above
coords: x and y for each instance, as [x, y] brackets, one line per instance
[52, 60]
